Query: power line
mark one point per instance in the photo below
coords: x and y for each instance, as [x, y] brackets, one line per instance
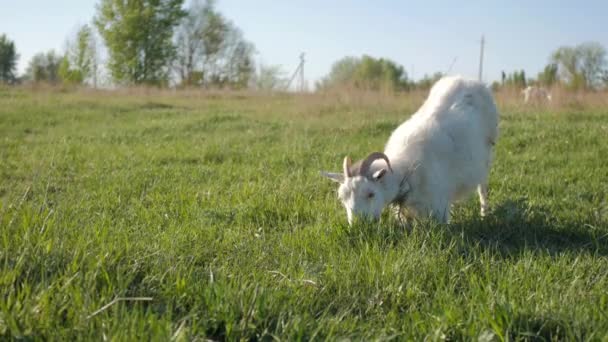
[451, 66]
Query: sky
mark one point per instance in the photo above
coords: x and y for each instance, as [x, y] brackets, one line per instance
[423, 36]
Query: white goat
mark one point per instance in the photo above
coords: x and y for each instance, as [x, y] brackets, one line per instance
[442, 153]
[536, 94]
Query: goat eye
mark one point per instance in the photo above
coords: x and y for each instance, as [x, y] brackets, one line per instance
[370, 195]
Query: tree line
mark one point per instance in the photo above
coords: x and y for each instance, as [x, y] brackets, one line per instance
[148, 42]
[580, 67]
[162, 43]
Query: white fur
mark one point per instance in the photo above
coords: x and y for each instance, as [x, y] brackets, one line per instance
[536, 94]
[442, 153]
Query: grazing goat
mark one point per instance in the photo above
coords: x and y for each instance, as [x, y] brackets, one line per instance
[442, 153]
[536, 94]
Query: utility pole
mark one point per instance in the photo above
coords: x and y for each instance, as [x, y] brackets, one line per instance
[95, 74]
[299, 71]
[302, 85]
[481, 58]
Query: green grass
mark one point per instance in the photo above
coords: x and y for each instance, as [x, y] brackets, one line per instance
[213, 207]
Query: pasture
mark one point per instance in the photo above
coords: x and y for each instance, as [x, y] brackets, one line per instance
[143, 215]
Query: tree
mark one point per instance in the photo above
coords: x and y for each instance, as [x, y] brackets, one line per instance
[80, 61]
[593, 63]
[69, 74]
[566, 59]
[341, 73]
[270, 77]
[379, 74]
[213, 31]
[548, 76]
[189, 42]
[366, 73]
[581, 66]
[516, 79]
[8, 59]
[138, 34]
[211, 51]
[44, 67]
[235, 66]
[427, 81]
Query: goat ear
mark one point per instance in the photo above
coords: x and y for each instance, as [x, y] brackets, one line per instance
[378, 174]
[334, 176]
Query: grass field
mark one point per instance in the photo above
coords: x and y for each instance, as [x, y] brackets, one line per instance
[152, 215]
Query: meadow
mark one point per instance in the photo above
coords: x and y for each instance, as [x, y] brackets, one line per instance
[159, 215]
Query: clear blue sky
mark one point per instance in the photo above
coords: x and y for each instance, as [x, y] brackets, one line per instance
[423, 36]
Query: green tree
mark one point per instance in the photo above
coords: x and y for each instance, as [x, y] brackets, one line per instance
[138, 34]
[211, 51]
[593, 63]
[366, 73]
[581, 66]
[379, 74]
[189, 42]
[69, 74]
[8, 59]
[548, 76]
[80, 61]
[341, 73]
[235, 66]
[427, 81]
[44, 67]
[516, 79]
[213, 31]
[270, 77]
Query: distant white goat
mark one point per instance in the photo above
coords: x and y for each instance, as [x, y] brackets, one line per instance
[442, 153]
[536, 94]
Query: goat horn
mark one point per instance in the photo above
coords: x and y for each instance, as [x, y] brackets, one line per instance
[346, 167]
[365, 164]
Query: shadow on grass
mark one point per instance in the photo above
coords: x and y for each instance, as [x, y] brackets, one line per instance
[535, 328]
[515, 227]
[524, 327]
